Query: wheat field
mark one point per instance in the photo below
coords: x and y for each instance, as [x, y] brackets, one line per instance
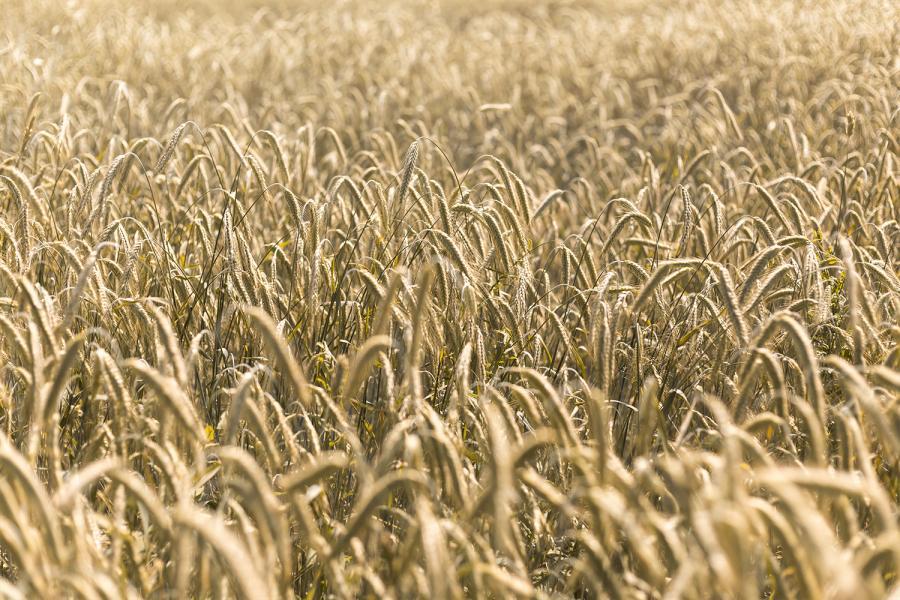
[449, 299]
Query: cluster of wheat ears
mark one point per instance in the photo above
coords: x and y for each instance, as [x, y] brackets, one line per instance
[460, 299]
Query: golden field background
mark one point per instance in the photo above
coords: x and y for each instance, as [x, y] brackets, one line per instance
[449, 299]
